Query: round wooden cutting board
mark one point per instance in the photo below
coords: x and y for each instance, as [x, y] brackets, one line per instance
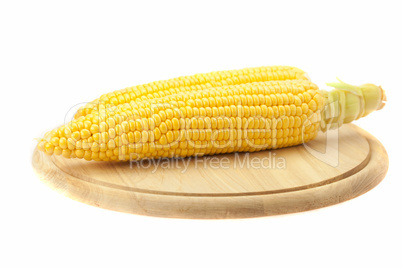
[336, 166]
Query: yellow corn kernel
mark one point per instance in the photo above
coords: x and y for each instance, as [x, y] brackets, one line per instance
[191, 83]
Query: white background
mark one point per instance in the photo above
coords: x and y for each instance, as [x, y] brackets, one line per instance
[56, 54]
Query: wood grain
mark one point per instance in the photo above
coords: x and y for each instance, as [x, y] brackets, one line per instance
[335, 167]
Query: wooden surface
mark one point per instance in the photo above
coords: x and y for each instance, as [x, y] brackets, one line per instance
[335, 167]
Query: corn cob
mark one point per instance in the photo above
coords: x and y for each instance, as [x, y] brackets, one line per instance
[192, 83]
[231, 118]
